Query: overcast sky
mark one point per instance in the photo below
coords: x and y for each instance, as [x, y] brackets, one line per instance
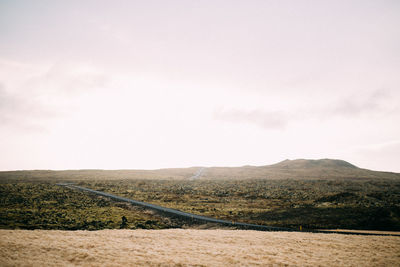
[152, 84]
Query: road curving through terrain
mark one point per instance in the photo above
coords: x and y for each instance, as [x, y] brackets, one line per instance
[198, 173]
[198, 218]
[177, 213]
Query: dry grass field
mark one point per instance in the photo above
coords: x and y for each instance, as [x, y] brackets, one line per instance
[178, 247]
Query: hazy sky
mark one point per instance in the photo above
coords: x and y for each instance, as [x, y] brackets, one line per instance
[151, 84]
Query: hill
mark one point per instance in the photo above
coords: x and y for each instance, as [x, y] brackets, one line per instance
[299, 169]
[287, 169]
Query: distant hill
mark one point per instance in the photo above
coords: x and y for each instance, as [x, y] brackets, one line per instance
[309, 163]
[300, 169]
[287, 169]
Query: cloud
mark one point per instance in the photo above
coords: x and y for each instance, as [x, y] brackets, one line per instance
[37, 99]
[264, 119]
[67, 79]
[385, 155]
[20, 112]
[4, 98]
[393, 144]
[355, 105]
[349, 107]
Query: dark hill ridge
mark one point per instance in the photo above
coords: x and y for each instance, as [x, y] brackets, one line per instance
[287, 169]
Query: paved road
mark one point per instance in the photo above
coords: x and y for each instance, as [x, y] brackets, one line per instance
[198, 173]
[178, 213]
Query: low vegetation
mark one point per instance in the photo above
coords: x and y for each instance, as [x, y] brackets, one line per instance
[28, 205]
[315, 204]
[312, 204]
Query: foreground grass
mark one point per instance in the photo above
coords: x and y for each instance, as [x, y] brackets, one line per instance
[176, 247]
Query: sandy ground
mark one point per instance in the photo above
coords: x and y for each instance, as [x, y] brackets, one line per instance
[194, 248]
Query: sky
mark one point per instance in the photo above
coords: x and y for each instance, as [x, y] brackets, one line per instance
[156, 84]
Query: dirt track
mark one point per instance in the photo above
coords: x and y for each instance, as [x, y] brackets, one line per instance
[194, 248]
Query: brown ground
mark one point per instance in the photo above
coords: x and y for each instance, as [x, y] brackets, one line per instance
[194, 248]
